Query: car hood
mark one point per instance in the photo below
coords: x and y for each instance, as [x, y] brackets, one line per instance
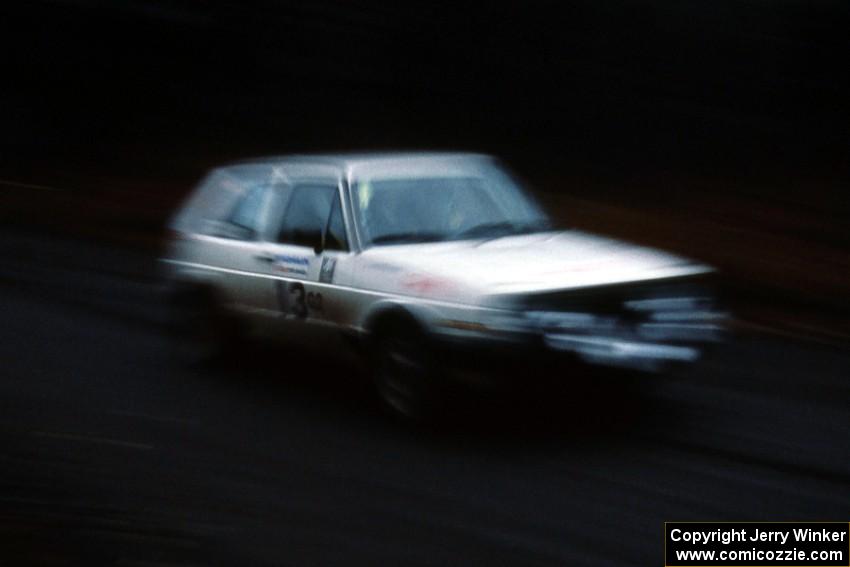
[517, 264]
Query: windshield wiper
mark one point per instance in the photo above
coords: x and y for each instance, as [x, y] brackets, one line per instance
[408, 237]
[502, 228]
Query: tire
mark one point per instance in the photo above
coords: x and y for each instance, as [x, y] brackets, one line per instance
[405, 378]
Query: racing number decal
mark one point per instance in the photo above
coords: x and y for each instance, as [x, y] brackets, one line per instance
[290, 297]
[293, 300]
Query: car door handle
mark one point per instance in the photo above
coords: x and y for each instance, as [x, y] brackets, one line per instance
[264, 257]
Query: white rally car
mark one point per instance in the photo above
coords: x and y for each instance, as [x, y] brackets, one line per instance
[440, 267]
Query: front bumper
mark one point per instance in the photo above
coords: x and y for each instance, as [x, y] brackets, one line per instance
[535, 354]
[638, 328]
[618, 352]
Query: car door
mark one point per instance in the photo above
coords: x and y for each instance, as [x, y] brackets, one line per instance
[305, 254]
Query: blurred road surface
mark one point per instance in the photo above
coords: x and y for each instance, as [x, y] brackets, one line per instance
[110, 453]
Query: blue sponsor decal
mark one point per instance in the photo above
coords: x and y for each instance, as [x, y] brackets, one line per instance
[292, 264]
[300, 260]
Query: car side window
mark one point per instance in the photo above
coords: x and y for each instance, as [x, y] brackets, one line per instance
[247, 211]
[306, 215]
[313, 217]
[247, 214]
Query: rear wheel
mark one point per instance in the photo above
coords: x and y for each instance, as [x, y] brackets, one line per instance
[204, 333]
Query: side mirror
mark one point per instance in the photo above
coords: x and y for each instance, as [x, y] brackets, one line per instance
[309, 239]
[316, 240]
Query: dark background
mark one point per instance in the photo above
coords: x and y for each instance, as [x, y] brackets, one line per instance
[748, 90]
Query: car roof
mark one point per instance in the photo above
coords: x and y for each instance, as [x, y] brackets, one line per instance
[377, 161]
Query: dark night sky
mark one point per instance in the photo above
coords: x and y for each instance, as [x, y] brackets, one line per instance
[165, 88]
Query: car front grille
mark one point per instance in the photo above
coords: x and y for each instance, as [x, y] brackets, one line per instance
[681, 310]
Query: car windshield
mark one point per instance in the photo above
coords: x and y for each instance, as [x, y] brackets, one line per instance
[431, 209]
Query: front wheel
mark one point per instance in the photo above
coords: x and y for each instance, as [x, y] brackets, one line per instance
[404, 374]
